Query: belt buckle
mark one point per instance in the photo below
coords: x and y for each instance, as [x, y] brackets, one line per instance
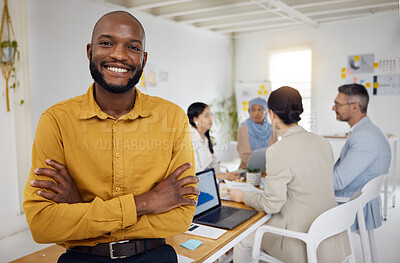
[112, 250]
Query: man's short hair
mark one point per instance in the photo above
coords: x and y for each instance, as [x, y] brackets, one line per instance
[357, 92]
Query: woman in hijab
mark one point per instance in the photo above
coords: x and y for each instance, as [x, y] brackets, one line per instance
[200, 119]
[256, 132]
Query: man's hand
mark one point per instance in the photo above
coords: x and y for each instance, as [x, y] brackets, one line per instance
[168, 194]
[236, 195]
[63, 189]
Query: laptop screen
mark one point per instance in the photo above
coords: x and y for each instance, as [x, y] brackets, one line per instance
[208, 197]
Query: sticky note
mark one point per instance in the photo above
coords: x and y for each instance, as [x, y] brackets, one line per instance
[191, 244]
[343, 69]
[265, 92]
[368, 85]
[343, 76]
[376, 65]
[262, 87]
[356, 58]
[376, 84]
[259, 92]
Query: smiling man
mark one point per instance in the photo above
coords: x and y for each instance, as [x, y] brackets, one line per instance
[366, 153]
[111, 172]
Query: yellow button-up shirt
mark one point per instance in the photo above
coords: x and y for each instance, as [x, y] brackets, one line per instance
[110, 162]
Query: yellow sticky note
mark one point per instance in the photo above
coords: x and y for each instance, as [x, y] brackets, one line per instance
[245, 108]
[376, 65]
[368, 85]
[259, 92]
[356, 58]
[262, 87]
[343, 76]
[246, 103]
[376, 84]
[265, 92]
[343, 69]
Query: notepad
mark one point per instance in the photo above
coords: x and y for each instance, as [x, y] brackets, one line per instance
[205, 231]
[191, 244]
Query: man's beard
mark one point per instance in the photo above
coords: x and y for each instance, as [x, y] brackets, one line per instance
[98, 77]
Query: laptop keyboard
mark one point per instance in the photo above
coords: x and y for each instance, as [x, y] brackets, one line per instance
[219, 214]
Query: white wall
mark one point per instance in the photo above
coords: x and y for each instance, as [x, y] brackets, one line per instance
[15, 131]
[198, 62]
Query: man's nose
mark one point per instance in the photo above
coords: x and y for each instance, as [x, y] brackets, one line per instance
[119, 53]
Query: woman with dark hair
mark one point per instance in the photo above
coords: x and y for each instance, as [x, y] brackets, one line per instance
[298, 186]
[200, 119]
[256, 132]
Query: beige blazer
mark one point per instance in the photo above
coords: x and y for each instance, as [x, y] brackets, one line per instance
[298, 188]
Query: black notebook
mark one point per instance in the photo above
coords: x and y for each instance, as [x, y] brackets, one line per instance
[209, 210]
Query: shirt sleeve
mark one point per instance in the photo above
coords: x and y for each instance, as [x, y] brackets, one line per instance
[85, 220]
[177, 220]
[275, 192]
[243, 147]
[360, 154]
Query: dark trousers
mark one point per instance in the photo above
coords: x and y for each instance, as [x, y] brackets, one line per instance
[163, 254]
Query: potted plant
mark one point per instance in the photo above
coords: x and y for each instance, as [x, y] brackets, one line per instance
[9, 49]
[253, 175]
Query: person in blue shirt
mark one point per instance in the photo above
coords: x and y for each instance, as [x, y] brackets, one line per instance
[366, 153]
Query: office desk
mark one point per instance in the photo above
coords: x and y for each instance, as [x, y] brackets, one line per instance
[209, 251]
[212, 249]
[388, 192]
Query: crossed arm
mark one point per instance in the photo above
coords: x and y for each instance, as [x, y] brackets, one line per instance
[167, 195]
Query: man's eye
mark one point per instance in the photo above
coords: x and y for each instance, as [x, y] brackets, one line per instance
[105, 43]
[133, 48]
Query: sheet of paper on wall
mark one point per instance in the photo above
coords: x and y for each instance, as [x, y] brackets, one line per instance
[205, 231]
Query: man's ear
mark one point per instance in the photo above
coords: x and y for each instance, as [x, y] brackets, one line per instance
[144, 59]
[355, 107]
[89, 50]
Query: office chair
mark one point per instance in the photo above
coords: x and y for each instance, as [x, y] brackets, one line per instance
[334, 221]
[370, 190]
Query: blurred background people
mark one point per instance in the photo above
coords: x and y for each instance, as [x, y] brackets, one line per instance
[200, 118]
[256, 132]
[298, 186]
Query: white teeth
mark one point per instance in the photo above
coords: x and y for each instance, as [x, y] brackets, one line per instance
[117, 69]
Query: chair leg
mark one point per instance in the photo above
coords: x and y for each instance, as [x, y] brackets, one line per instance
[373, 246]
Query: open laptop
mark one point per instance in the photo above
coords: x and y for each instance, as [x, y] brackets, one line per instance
[209, 210]
[257, 159]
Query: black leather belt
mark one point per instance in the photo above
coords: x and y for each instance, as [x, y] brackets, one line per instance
[121, 249]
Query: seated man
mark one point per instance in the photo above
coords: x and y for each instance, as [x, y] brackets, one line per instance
[366, 153]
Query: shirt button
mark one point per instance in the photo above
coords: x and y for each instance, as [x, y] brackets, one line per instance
[117, 189]
[117, 155]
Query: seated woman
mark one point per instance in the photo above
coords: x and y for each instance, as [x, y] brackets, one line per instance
[256, 132]
[200, 119]
[298, 186]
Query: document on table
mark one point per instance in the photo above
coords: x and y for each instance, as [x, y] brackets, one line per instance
[205, 231]
[245, 187]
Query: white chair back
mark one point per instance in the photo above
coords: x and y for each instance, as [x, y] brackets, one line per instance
[372, 189]
[335, 220]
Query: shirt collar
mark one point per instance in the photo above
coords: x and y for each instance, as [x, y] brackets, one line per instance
[359, 123]
[90, 108]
